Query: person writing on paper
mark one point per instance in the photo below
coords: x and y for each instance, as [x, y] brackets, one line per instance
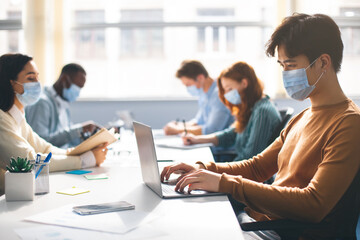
[50, 116]
[316, 156]
[212, 115]
[256, 116]
[20, 87]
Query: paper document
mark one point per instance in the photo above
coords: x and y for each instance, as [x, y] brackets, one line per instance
[159, 133]
[48, 232]
[114, 222]
[177, 142]
[103, 135]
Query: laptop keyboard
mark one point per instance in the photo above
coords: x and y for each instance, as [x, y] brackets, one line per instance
[170, 189]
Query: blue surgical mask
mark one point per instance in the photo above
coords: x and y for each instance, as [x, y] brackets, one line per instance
[193, 90]
[31, 95]
[233, 97]
[296, 83]
[71, 93]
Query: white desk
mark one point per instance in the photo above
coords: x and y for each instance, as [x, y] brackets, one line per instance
[192, 218]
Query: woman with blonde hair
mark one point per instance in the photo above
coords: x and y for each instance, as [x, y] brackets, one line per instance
[255, 115]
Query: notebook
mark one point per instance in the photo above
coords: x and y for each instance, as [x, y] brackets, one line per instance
[103, 135]
[150, 168]
[177, 142]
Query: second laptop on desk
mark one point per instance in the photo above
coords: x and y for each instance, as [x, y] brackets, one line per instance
[150, 168]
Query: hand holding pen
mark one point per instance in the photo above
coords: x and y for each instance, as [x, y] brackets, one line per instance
[185, 131]
[189, 138]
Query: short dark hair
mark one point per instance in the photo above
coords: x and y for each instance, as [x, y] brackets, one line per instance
[11, 65]
[72, 68]
[311, 35]
[191, 69]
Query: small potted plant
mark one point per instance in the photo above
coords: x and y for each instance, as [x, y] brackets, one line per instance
[19, 180]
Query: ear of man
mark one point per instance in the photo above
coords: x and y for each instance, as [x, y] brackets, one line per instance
[65, 80]
[325, 62]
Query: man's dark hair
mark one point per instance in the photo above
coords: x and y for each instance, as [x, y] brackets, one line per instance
[311, 35]
[191, 69]
[72, 68]
[10, 66]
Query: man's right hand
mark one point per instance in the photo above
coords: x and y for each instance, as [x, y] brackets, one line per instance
[89, 126]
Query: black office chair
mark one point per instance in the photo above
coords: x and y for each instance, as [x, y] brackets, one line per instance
[345, 227]
[285, 115]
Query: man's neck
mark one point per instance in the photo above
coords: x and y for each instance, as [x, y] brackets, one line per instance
[328, 93]
[207, 84]
[58, 88]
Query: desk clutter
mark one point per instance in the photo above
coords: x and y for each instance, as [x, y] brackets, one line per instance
[78, 172]
[24, 178]
[51, 216]
[64, 223]
[73, 191]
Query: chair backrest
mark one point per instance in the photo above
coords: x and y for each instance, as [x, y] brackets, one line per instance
[342, 220]
[285, 115]
[349, 205]
[340, 223]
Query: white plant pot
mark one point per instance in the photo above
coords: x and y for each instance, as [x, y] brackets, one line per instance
[19, 186]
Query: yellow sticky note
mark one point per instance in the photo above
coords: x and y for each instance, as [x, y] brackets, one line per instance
[73, 191]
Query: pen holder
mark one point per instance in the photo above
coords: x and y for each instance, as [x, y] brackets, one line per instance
[42, 180]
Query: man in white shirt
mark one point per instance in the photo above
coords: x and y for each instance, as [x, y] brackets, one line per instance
[50, 116]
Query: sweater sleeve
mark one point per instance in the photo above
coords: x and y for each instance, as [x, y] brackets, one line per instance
[59, 161]
[22, 141]
[226, 138]
[312, 203]
[259, 168]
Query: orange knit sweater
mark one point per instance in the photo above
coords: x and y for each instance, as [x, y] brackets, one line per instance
[316, 159]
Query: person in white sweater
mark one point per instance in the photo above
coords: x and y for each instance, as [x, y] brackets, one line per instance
[19, 87]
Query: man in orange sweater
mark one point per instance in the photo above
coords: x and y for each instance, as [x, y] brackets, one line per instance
[316, 157]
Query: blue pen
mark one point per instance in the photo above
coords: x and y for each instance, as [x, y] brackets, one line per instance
[47, 159]
[37, 161]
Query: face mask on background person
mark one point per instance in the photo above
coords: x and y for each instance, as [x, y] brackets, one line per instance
[31, 95]
[71, 93]
[193, 90]
[233, 97]
[296, 83]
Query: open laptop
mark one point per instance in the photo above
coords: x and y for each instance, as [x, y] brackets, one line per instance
[150, 168]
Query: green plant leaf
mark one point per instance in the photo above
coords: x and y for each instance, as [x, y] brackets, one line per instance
[12, 162]
[20, 165]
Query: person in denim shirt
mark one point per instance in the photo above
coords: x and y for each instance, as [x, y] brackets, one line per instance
[212, 115]
[256, 116]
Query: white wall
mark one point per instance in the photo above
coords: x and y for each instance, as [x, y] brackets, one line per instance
[154, 112]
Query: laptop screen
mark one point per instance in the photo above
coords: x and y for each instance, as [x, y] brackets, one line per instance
[147, 155]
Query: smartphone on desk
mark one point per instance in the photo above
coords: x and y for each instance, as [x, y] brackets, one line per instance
[103, 208]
